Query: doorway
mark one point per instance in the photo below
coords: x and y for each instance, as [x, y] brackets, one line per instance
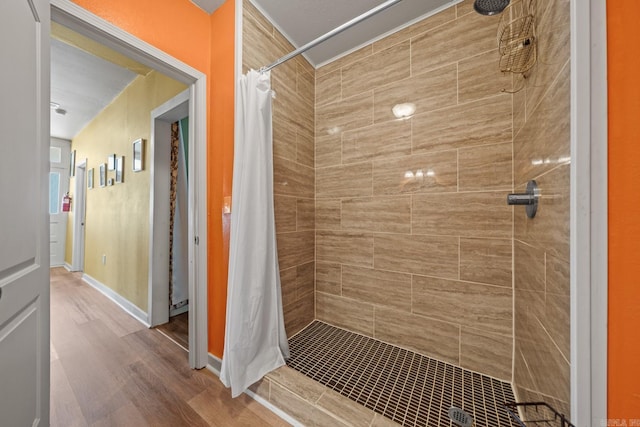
[87, 24]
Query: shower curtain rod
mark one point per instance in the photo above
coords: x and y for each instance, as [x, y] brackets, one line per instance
[331, 33]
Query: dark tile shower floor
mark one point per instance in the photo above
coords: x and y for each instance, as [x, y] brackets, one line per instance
[411, 389]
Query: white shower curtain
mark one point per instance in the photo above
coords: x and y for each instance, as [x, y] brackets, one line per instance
[255, 340]
[180, 272]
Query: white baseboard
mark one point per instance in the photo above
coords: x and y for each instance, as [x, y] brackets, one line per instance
[215, 364]
[124, 303]
[67, 266]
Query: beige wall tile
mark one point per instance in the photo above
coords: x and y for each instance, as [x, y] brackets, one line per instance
[305, 276]
[357, 55]
[426, 336]
[302, 411]
[329, 88]
[488, 167]
[329, 278]
[257, 47]
[306, 214]
[466, 36]
[285, 213]
[478, 306]
[429, 91]
[486, 261]
[557, 322]
[299, 314]
[344, 181]
[346, 313]
[553, 38]
[544, 141]
[328, 150]
[284, 139]
[429, 255]
[292, 106]
[292, 179]
[346, 409]
[305, 83]
[480, 77]
[464, 7]
[347, 247]
[328, 213]
[425, 173]
[483, 122]
[305, 148]
[463, 214]
[549, 369]
[519, 106]
[379, 141]
[522, 377]
[529, 267]
[557, 273]
[288, 284]
[363, 75]
[550, 228]
[298, 383]
[347, 114]
[295, 248]
[487, 353]
[379, 214]
[528, 308]
[420, 27]
[378, 287]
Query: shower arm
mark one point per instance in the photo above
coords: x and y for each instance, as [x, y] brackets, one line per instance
[331, 33]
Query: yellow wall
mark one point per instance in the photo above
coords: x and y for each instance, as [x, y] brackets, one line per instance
[117, 219]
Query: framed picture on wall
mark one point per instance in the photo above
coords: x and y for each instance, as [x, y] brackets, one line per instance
[137, 164]
[90, 178]
[119, 169]
[103, 175]
[111, 162]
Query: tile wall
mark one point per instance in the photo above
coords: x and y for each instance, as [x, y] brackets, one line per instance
[541, 245]
[413, 234]
[294, 176]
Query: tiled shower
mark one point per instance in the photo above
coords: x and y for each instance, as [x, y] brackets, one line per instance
[397, 228]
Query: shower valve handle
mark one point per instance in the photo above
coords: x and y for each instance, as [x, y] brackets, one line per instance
[528, 199]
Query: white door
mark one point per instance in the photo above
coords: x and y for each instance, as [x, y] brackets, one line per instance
[24, 219]
[58, 187]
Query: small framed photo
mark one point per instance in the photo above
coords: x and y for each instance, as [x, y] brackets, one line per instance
[72, 163]
[119, 169]
[111, 162]
[137, 164]
[90, 178]
[103, 175]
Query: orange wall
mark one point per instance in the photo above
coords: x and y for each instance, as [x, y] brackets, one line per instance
[220, 166]
[184, 31]
[624, 211]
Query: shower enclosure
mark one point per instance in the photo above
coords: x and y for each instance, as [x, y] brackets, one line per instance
[391, 170]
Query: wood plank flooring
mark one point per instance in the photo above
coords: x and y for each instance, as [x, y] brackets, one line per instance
[177, 329]
[109, 370]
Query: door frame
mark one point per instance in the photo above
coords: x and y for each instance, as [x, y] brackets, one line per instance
[159, 161]
[79, 215]
[589, 213]
[82, 21]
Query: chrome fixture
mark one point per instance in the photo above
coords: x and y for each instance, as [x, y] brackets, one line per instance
[528, 199]
[490, 7]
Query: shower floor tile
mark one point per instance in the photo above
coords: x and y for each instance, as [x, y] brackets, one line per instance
[410, 389]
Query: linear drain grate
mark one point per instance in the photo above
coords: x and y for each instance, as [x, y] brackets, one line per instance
[410, 389]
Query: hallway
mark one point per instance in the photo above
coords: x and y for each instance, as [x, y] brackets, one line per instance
[109, 370]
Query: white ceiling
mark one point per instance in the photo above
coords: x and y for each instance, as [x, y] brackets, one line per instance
[304, 20]
[83, 85]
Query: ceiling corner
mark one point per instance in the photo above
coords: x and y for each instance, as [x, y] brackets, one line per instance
[208, 6]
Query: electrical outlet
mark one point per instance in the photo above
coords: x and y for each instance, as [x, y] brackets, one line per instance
[104, 259]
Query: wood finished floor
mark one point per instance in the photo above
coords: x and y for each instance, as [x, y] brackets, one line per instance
[109, 370]
[177, 329]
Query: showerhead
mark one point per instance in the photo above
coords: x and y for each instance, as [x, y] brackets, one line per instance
[490, 7]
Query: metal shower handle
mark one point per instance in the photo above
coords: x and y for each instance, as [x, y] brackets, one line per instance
[528, 199]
